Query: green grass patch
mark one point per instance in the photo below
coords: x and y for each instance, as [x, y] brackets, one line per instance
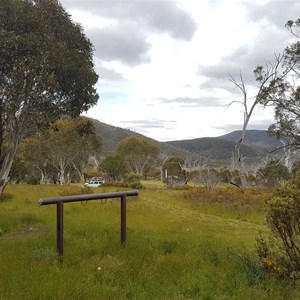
[175, 249]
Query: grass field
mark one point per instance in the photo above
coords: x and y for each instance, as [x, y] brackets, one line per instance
[175, 249]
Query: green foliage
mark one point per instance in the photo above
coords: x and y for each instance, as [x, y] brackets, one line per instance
[138, 153]
[287, 104]
[173, 169]
[133, 180]
[114, 167]
[174, 166]
[65, 147]
[20, 169]
[46, 71]
[273, 173]
[281, 254]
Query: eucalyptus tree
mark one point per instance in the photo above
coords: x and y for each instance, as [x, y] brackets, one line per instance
[273, 173]
[287, 107]
[84, 145]
[46, 71]
[139, 154]
[174, 170]
[35, 151]
[70, 143]
[114, 167]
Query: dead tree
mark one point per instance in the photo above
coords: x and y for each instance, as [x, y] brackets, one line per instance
[268, 85]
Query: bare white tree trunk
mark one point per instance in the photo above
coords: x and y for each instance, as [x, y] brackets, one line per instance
[266, 78]
[7, 163]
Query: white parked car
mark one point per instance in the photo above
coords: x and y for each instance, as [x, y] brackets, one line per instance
[95, 182]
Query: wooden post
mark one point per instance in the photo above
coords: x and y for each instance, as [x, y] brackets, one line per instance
[123, 219]
[60, 228]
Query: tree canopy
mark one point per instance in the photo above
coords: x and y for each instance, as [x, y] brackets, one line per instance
[139, 154]
[64, 149]
[46, 71]
[287, 104]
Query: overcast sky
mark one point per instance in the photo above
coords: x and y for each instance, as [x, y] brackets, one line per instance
[164, 65]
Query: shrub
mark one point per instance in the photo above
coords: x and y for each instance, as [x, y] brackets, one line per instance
[33, 180]
[210, 178]
[229, 196]
[112, 183]
[132, 177]
[273, 173]
[133, 180]
[282, 250]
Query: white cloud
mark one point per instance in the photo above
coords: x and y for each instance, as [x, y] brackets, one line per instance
[164, 65]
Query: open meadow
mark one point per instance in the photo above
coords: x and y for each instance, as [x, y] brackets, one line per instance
[177, 247]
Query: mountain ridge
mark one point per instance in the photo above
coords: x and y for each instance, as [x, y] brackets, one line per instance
[218, 148]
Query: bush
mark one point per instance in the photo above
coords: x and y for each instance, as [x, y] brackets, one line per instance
[229, 196]
[133, 180]
[281, 253]
[132, 177]
[130, 180]
[33, 180]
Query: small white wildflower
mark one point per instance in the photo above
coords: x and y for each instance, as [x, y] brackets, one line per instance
[99, 268]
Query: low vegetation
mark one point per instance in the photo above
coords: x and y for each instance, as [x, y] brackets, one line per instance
[178, 246]
[280, 253]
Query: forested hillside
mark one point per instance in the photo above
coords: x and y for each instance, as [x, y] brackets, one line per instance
[257, 142]
[112, 135]
[219, 148]
[214, 148]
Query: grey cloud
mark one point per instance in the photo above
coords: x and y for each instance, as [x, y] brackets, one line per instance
[273, 15]
[144, 126]
[203, 101]
[274, 12]
[167, 17]
[120, 43]
[243, 60]
[212, 84]
[153, 123]
[259, 125]
[160, 16]
[109, 74]
[218, 76]
[228, 128]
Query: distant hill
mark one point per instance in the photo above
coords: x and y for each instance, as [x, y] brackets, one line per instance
[256, 139]
[214, 148]
[217, 149]
[112, 135]
[256, 142]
